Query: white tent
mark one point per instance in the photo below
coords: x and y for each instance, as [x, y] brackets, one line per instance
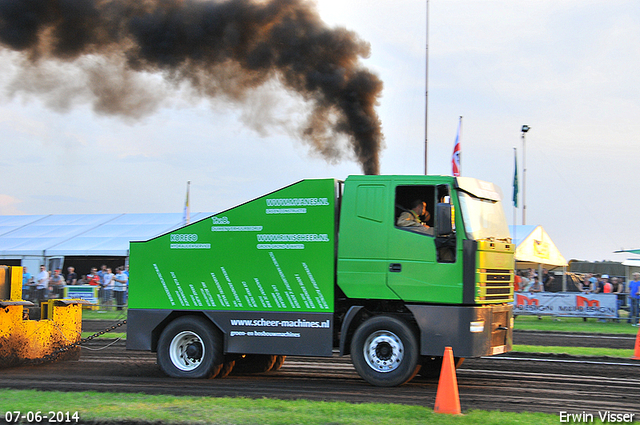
[39, 239]
[533, 245]
[535, 249]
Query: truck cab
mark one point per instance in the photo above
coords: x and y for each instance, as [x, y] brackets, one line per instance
[450, 284]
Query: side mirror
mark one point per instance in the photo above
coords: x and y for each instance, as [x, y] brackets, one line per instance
[443, 220]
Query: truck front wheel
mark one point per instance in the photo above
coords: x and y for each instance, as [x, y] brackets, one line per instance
[384, 351]
[190, 347]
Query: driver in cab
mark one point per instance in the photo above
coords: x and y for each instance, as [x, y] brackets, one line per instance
[411, 218]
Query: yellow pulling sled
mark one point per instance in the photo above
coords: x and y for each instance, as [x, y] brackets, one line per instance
[26, 341]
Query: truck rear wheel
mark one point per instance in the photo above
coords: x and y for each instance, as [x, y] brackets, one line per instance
[254, 363]
[384, 351]
[278, 364]
[190, 347]
[227, 368]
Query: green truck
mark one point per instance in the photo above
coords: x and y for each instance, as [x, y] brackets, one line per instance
[326, 267]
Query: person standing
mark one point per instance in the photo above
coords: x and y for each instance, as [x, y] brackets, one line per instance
[586, 284]
[56, 283]
[598, 285]
[606, 286]
[525, 282]
[72, 277]
[42, 283]
[93, 278]
[101, 273]
[593, 281]
[27, 280]
[107, 286]
[120, 287]
[517, 281]
[634, 299]
[618, 289]
[126, 293]
[536, 286]
[547, 278]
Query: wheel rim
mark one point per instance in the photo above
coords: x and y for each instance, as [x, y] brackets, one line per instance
[383, 351]
[186, 351]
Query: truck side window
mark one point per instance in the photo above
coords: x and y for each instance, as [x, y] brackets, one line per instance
[415, 208]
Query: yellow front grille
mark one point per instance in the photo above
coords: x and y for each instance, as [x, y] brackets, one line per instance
[494, 273]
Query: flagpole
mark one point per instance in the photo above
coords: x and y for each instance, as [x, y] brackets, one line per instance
[525, 128]
[187, 207]
[515, 190]
[515, 199]
[426, 104]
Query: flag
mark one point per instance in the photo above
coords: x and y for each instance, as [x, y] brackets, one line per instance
[455, 158]
[187, 210]
[515, 178]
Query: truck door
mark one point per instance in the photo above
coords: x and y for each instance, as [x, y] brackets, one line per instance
[418, 270]
[366, 217]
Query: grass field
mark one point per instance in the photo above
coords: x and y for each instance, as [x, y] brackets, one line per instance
[573, 324]
[92, 406]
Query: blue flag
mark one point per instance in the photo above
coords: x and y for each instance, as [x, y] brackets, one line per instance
[515, 178]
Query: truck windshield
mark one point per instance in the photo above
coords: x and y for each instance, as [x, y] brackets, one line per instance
[483, 219]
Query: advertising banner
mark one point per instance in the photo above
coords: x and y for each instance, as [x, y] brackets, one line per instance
[274, 253]
[571, 304]
[83, 292]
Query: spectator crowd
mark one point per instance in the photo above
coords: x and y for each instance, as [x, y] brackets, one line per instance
[46, 285]
[589, 283]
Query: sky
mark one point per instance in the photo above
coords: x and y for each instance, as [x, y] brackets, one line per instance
[568, 69]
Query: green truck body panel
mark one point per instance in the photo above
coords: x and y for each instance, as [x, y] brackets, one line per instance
[275, 253]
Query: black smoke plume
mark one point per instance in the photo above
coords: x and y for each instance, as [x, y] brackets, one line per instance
[215, 48]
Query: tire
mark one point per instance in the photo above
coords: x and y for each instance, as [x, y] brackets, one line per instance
[431, 366]
[384, 351]
[278, 364]
[254, 363]
[227, 368]
[190, 347]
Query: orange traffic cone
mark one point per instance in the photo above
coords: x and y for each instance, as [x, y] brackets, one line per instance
[447, 397]
[636, 354]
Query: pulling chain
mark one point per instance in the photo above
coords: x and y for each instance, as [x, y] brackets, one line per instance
[53, 356]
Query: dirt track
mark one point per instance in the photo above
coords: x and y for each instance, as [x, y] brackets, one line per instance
[563, 339]
[510, 383]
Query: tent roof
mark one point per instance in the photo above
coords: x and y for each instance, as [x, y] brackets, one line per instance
[533, 245]
[83, 234]
[632, 262]
[633, 251]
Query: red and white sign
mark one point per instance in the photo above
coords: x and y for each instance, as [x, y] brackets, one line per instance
[569, 304]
